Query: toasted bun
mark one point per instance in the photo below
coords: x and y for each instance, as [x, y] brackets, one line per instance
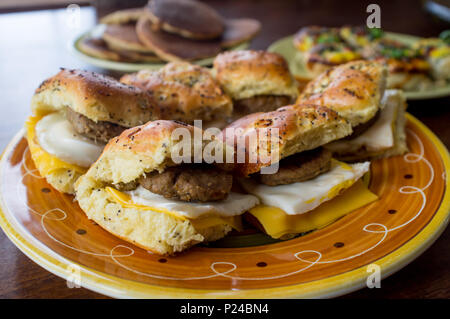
[144, 149]
[185, 91]
[123, 16]
[354, 90]
[247, 73]
[300, 128]
[157, 232]
[96, 96]
[62, 180]
[135, 152]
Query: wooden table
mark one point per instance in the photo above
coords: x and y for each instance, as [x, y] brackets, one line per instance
[35, 44]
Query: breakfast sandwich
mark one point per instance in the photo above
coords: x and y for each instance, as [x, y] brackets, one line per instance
[187, 91]
[357, 92]
[309, 189]
[75, 113]
[257, 81]
[138, 191]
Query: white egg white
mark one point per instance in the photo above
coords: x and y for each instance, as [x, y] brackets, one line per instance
[56, 136]
[302, 197]
[234, 204]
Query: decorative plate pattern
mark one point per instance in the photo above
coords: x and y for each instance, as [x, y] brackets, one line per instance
[285, 47]
[412, 211]
[131, 67]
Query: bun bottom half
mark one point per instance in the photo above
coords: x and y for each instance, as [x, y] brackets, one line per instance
[157, 232]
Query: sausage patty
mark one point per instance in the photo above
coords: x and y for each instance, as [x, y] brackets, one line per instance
[299, 167]
[99, 131]
[190, 183]
[261, 103]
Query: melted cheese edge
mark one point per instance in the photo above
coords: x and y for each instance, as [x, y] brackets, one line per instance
[201, 215]
[57, 137]
[46, 163]
[302, 197]
[277, 223]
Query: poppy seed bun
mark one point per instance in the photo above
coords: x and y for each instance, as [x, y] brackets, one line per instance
[300, 128]
[96, 96]
[137, 151]
[185, 87]
[189, 19]
[354, 90]
[247, 73]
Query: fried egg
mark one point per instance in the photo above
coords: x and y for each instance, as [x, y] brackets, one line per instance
[57, 137]
[302, 197]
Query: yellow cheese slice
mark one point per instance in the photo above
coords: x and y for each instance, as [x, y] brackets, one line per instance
[199, 223]
[277, 223]
[45, 162]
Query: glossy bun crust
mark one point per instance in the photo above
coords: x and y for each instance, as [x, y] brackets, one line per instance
[185, 92]
[96, 96]
[247, 73]
[354, 90]
[300, 127]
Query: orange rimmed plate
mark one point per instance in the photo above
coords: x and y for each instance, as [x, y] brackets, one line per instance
[412, 212]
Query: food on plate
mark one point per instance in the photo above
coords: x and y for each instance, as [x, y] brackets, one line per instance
[187, 18]
[124, 37]
[437, 53]
[356, 91]
[74, 114]
[123, 16]
[308, 37]
[187, 91]
[238, 31]
[169, 30]
[309, 189]
[137, 192]
[322, 48]
[359, 36]
[408, 69]
[98, 48]
[255, 80]
[173, 47]
[323, 56]
[412, 67]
